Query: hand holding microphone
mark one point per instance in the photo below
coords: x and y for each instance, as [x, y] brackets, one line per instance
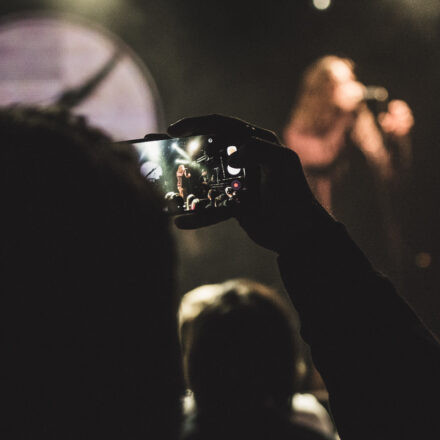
[398, 120]
[349, 95]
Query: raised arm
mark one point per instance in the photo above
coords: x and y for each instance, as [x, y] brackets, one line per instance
[380, 364]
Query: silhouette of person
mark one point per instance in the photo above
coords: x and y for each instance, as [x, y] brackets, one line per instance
[242, 360]
[89, 338]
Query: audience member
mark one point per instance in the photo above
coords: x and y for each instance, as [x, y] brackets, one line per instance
[242, 360]
[89, 338]
[212, 196]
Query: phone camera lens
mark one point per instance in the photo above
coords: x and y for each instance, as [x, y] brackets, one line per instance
[236, 185]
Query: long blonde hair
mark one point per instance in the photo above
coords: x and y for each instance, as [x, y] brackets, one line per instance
[315, 112]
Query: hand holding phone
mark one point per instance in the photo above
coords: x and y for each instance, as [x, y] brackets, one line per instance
[282, 206]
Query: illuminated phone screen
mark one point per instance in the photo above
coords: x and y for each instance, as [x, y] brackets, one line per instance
[192, 173]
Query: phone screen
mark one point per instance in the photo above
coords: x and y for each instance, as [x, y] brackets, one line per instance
[192, 173]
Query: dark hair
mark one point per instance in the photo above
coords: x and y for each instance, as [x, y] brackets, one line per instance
[88, 346]
[240, 346]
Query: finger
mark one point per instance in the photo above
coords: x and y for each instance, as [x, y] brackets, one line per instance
[156, 137]
[207, 217]
[213, 124]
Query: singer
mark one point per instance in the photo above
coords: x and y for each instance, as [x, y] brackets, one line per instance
[352, 158]
[182, 175]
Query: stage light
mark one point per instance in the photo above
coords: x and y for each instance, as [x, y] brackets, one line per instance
[42, 63]
[322, 5]
[183, 153]
[233, 171]
[151, 170]
[193, 146]
[236, 185]
[231, 149]
[149, 152]
[423, 260]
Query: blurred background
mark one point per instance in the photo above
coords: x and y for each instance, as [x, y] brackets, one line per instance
[135, 66]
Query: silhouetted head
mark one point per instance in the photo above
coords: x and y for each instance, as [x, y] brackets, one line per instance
[239, 346]
[87, 321]
[229, 191]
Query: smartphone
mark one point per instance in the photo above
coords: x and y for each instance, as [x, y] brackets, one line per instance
[192, 173]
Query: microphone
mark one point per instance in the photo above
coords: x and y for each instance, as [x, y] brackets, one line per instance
[375, 93]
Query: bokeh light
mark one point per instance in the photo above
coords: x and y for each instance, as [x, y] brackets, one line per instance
[322, 5]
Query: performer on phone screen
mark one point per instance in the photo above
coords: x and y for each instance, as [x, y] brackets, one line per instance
[183, 175]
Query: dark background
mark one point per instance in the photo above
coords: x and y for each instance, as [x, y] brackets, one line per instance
[245, 58]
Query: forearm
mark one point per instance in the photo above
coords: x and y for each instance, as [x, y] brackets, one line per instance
[365, 340]
[328, 278]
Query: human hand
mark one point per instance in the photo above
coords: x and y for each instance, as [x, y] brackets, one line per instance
[286, 207]
[398, 120]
